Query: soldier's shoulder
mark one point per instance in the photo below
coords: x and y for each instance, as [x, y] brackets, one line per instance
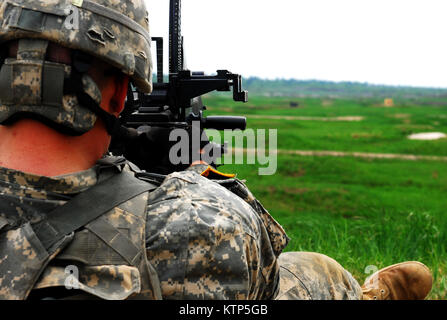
[225, 199]
[207, 197]
[198, 186]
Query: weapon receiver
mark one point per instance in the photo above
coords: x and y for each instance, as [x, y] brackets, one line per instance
[173, 104]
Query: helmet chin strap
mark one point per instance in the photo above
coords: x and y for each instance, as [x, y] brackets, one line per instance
[80, 84]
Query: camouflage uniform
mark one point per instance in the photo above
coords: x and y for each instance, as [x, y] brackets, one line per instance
[189, 238]
[202, 241]
[314, 276]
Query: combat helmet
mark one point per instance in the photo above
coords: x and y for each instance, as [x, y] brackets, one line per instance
[116, 31]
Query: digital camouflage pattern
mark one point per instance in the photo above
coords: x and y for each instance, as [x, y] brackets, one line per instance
[116, 31]
[303, 275]
[191, 238]
[198, 241]
[22, 259]
[206, 243]
[202, 241]
[106, 282]
[24, 95]
[314, 276]
[24, 201]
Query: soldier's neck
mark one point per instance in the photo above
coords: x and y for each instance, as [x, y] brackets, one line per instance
[32, 147]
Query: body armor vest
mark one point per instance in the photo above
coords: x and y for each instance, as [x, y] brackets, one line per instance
[107, 259]
[102, 251]
[95, 243]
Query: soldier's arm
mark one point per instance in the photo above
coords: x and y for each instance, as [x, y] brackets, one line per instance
[208, 243]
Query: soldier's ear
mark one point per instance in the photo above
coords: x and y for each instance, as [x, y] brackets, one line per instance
[119, 97]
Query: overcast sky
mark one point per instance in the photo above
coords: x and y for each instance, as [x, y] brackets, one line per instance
[396, 42]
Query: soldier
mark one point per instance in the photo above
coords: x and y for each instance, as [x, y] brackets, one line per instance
[76, 223]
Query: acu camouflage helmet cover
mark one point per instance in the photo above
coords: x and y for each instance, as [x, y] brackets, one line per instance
[115, 31]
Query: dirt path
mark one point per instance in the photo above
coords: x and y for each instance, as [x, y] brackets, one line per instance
[366, 155]
[328, 119]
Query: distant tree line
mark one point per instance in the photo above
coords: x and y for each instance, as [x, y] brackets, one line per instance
[328, 89]
[317, 88]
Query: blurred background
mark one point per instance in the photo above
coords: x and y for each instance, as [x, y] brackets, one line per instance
[357, 92]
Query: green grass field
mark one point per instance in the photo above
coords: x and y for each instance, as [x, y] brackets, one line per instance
[361, 212]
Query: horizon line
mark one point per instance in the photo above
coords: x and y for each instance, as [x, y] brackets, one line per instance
[365, 83]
